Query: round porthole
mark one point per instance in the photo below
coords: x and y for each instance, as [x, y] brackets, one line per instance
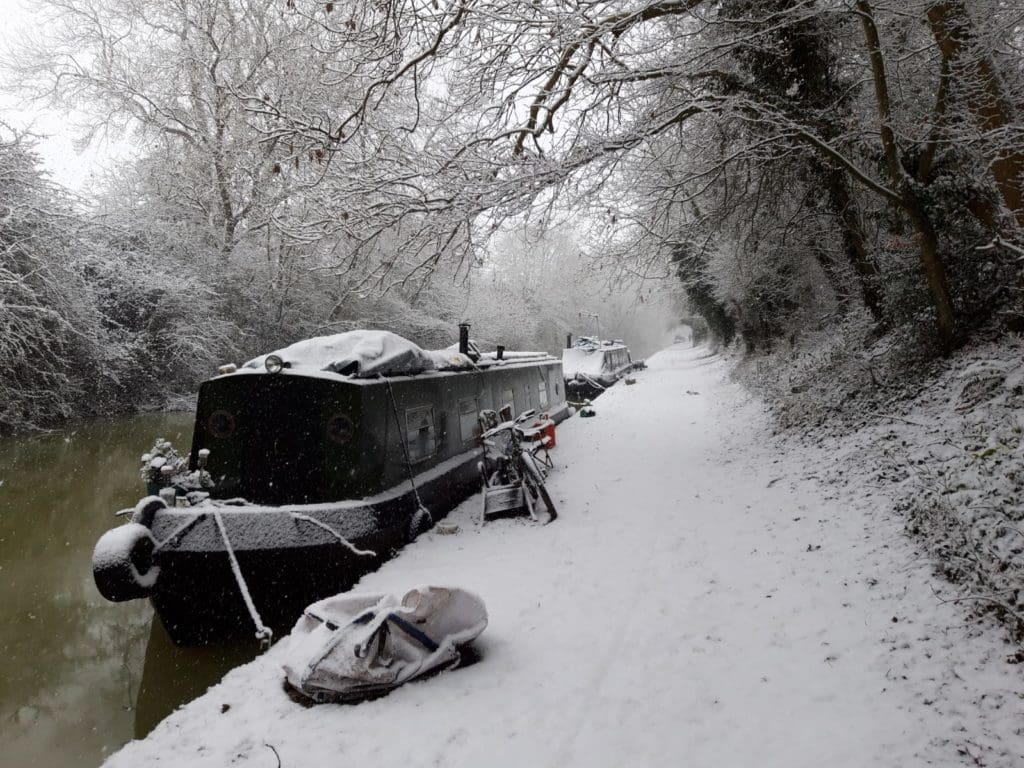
[220, 424]
[340, 429]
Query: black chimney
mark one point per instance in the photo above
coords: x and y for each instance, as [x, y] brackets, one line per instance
[568, 341]
[464, 338]
[500, 351]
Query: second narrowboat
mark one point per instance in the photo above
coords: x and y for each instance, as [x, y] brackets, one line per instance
[591, 366]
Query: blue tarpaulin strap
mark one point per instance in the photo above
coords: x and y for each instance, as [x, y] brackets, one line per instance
[365, 618]
[413, 632]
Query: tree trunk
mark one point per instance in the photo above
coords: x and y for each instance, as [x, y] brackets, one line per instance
[855, 242]
[986, 96]
[834, 277]
[931, 260]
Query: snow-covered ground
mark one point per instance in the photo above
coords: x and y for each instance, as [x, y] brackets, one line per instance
[697, 602]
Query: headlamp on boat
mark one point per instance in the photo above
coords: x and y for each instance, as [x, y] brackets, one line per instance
[274, 364]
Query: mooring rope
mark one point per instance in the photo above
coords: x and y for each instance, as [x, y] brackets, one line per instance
[180, 531]
[405, 450]
[338, 536]
[263, 633]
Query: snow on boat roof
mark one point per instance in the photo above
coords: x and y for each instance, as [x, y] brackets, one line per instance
[369, 353]
[592, 344]
[586, 356]
[589, 362]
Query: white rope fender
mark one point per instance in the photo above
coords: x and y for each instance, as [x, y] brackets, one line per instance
[263, 633]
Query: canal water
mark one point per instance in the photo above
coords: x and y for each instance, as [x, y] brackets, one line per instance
[79, 676]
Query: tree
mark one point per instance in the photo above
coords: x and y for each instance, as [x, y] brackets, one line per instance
[399, 137]
[46, 323]
[969, 66]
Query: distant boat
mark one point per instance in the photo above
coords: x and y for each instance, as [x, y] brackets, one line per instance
[309, 467]
[591, 366]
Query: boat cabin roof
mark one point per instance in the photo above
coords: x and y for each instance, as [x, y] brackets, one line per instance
[367, 356]
[592, 357]
[590, 344]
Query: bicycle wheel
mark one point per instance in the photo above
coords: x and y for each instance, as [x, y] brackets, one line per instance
[535, 482]
[543, 457]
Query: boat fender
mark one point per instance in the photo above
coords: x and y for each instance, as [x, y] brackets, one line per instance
[123, 564]
[421, 522]
[146, 510]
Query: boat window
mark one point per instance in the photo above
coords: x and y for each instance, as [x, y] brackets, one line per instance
[469, 426]
[420, 433]
[340, 429]
[508, 405]
[221, 424]
[542, 394]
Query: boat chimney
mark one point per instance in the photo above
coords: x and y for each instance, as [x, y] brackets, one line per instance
[500, 354]
[463, 338]
[568, 341]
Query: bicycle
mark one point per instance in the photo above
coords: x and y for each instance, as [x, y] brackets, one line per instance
[513, 476]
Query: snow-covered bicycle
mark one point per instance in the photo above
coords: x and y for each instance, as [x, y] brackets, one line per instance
[513, 474]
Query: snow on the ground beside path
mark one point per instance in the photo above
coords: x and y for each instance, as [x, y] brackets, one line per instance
[696, 603]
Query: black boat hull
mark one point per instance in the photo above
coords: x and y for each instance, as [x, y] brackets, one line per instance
[197, 594]
[581, 389]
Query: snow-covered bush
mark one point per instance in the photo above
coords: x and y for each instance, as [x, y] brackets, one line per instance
[48, 325]
[944, 439]
[965, 487]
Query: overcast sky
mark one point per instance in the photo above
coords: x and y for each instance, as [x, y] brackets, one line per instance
[67, 166]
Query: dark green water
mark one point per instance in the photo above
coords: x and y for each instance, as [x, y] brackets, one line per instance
[79, 676]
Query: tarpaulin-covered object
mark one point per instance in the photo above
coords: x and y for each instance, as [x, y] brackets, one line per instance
[354, 646]
[365, 354]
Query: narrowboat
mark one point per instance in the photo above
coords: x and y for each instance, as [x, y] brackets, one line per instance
[591, 366]
[309, 467]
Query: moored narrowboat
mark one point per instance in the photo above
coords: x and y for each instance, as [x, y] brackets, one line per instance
[591, 366]
[308, 468]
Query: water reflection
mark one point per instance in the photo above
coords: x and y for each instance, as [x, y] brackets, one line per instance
[80, 676]
[172, 676]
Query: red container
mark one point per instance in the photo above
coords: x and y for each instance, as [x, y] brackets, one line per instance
[547, 428]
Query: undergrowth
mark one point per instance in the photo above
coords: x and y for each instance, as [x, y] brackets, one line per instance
[942, 437]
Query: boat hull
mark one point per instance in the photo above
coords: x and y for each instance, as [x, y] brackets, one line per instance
[581, 389]
[285, 560]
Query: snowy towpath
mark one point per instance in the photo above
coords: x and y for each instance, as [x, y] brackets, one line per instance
[696, 603]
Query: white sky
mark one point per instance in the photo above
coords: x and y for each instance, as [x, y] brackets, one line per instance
[69, 167]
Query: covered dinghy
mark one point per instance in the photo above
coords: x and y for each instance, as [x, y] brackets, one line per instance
[355, 646]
